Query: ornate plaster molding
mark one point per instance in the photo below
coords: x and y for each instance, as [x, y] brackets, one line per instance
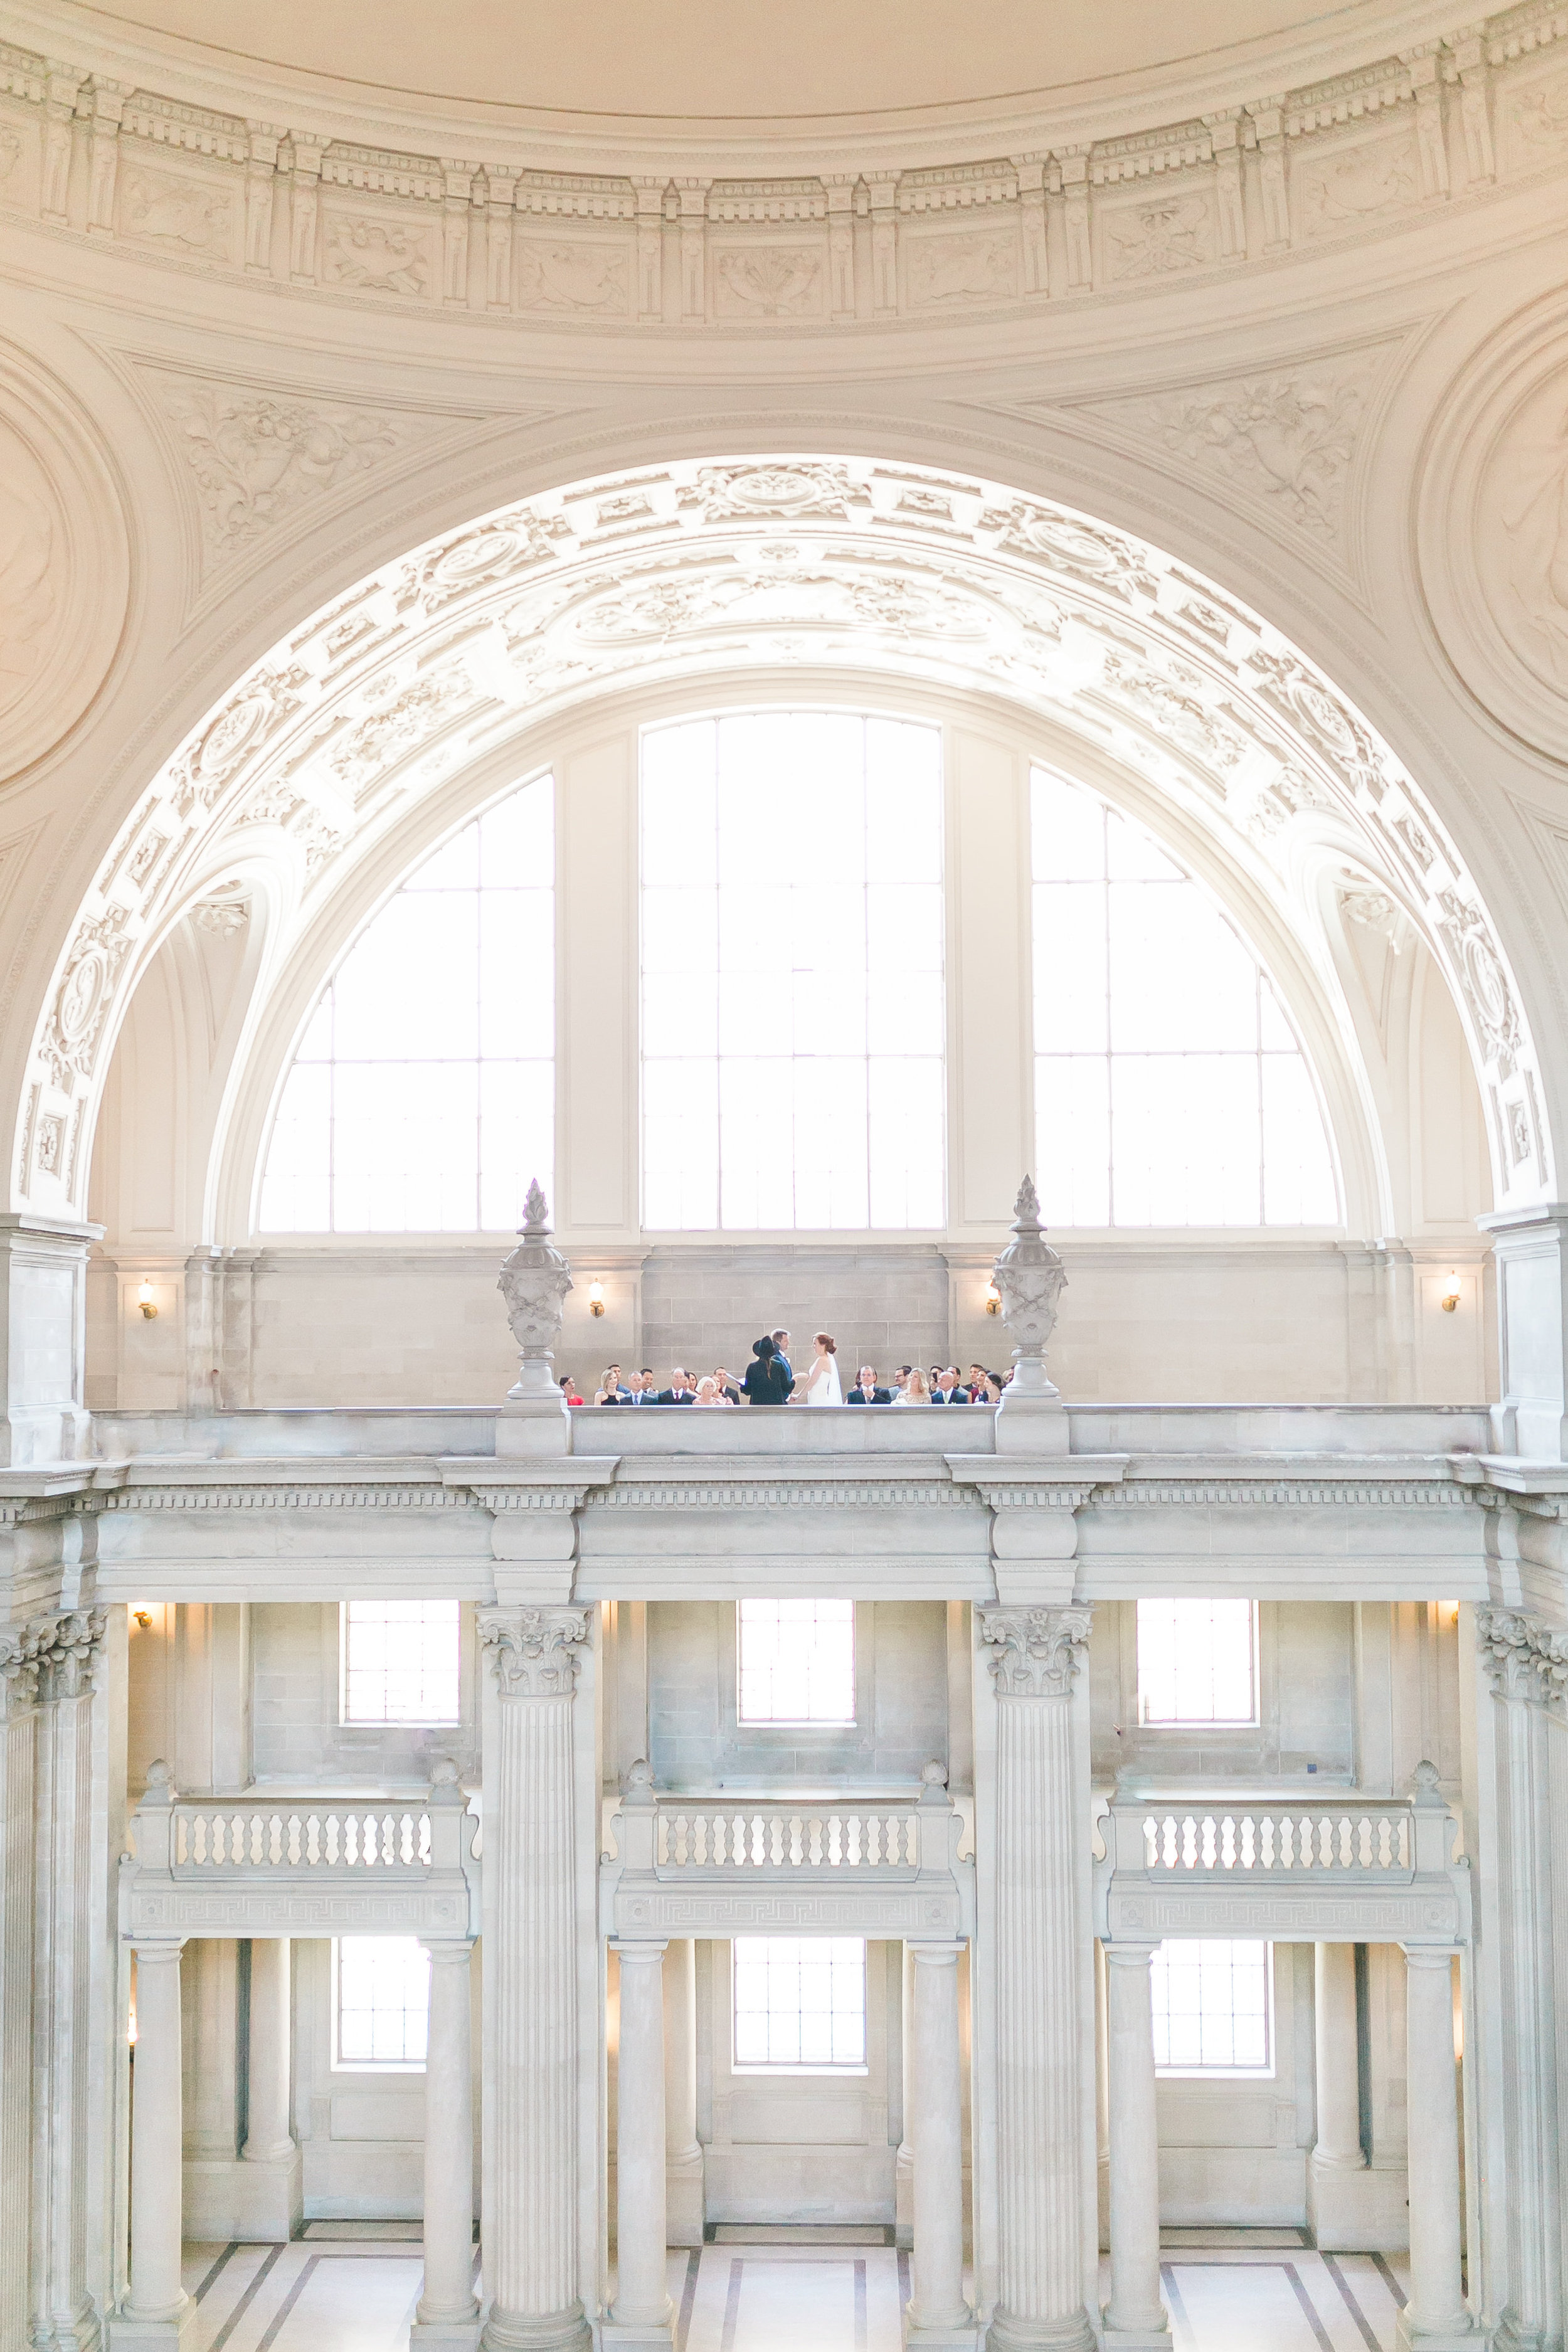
[533, 1652]
[1034, 1653]
[688, 567]
[1523, 1657]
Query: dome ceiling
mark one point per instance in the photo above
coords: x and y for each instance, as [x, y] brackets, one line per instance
[742, 61]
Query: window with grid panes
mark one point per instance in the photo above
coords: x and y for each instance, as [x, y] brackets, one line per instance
[799, 2003]
[1170, 1088]
[422, 1098]
[1197, 1662]
[796, 1661]
[793, 1017]
[401, 1661]
[1211, 2007]
[382, 2001]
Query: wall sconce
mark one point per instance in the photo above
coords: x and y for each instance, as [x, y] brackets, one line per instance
[596, 1298]
[992, 1299]
[1450, 1295]
[145, 1301]
[143, 1618]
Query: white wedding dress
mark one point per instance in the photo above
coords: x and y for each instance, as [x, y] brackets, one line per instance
[824, 1387]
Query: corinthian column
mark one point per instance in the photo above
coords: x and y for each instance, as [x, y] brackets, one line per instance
[1041, 1949]
[531, 2020]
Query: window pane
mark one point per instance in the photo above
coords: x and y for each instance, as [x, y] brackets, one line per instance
[384, 2000]
[796, 1661]
[792, 973]
[423, 1100]
[1197, 1661]
[1169, 1087]
[400, 1660]
[799, 2002]
[1211, 2006]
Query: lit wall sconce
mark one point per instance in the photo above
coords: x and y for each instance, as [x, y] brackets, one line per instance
[143, 1618]
[596, 1298]
[145, 1301]
[1451, 1295]
[992, 1299]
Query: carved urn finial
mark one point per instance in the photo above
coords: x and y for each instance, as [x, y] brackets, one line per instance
[534, 1282]
[1030, 1277]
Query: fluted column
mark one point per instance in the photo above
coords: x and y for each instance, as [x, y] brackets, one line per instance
[157, 2304]
[641, 2314]
[1042, 1945]
[1434, 2317]
[447, 2314]
[933, 2124]
[530, 2204]
[682, 2149]
[268, 2140]
[1135, 2316]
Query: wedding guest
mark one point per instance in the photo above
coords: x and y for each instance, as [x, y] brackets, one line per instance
[767, 1382]
[679, 1390]
[949, 1389]
[991, 1392]
[976, 1382]
[726, 1386]
[916, 1389]
[643, 1391]
[611, 1391]
[820, 1385]
[865, 1391]
[901, 1381]
[709, 1391]
[569, 1389]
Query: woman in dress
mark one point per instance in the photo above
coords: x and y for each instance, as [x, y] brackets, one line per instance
[710, 1393]
[820, 1385]
[916, 1389]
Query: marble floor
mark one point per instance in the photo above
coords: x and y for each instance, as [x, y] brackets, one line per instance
[1232, 2291]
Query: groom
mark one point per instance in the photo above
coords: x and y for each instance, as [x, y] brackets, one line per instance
[781, 1357]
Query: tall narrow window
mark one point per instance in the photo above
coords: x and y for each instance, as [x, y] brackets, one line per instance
[792, 963]
[800, 2004]
[796, 1661]
[400, 1660]
[422, 1098]
[382, 2006]
[1169, 1086]
[1212, 2008]
[1197, 1662]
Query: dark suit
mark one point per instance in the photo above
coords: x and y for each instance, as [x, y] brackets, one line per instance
[954, 1396]
[667, 1396]
[766, 1381]
[877, 1396]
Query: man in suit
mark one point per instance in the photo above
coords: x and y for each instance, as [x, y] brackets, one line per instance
[643, 1391]
[781, 1358]
[976, 1382]
[680, 1392]
[865, 1391]
[727, 1388]
[947, 1390]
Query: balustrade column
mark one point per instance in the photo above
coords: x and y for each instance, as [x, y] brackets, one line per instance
[531, 2202]
[1436, 2316]
[933, 2124]
[642, 2314]
[268, 2140]
[158, 2303]
[1041, 1949]
[682, 2149]
[448, 2312]
[1135, 2316]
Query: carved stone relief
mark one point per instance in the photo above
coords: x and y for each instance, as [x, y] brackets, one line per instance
[1533, 124]
[378, 256]
[1165, 235]
[1354, 186]
[961, 267]
[575, 277]
[768, 282]
[183, 215]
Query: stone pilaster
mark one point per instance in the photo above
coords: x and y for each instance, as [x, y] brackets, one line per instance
[447, 2319]
[1434, 2317]
[938, 2316]
[683, 2162]
[1134, 2317]
[158, 2311]
[1042, 1946]
[530, 2216]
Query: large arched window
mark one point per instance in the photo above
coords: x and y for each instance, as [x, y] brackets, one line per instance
[422, 1100]
[792, 963]
[1169, 1086]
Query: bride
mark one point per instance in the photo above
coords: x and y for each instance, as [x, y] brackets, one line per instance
[820, 1385]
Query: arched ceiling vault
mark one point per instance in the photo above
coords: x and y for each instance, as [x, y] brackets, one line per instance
[436, 662]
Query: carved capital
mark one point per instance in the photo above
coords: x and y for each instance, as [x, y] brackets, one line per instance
[1523, 1657]
[1034, 1653]
[20, 1667]
[534, 1651]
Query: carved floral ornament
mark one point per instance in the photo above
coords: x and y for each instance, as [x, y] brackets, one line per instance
[702, 566]
[50, 1658]
[533, 1652]
[1034, 1653]
[1524, 1658]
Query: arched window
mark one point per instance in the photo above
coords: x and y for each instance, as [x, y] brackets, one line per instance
[1169, 1086]
[792, 973]
[422, 1100]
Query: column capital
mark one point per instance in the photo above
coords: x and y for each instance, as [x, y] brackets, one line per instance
[934, 1952]
[1034, 1653]
[641, 1947]
[1430, 1956]
[534, 1651]
[449, 1948]
[1128, 1953]
[1523, 1657]
[156, 1947]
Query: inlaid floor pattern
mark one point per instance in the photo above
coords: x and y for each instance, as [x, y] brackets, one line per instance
[1228, 2292]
